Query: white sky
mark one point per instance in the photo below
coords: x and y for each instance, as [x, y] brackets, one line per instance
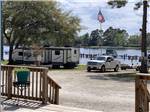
[124, 18]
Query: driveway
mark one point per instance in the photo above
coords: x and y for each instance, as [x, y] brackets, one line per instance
[108, 92]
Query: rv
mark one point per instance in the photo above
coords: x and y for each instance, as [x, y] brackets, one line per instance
[55, 56]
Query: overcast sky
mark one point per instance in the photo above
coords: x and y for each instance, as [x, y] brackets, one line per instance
[124, 18]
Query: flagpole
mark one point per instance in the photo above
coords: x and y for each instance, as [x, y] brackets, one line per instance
[101, 20]
[100, 30]
[100, 26]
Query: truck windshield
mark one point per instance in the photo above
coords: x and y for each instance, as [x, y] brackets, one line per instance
[101, 58]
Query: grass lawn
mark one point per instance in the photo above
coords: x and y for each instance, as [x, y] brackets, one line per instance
[81, 67]
[4, 62]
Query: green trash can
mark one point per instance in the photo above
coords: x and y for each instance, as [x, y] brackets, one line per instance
[22, 76]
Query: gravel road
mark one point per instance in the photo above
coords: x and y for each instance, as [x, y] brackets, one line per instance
[106, 92]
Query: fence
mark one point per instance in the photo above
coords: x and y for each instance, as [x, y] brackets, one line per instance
[42, 87]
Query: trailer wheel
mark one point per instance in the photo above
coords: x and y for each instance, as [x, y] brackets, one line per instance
[69, 65]
[55, 66]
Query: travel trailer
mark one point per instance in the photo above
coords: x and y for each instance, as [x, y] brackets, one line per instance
[55, 56]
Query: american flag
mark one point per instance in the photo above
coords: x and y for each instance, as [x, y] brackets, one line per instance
[100, 17]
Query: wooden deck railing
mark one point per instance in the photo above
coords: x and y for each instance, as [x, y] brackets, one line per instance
[142, 96]
[42, 87]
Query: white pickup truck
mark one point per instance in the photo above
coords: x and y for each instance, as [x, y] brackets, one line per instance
[102, 63]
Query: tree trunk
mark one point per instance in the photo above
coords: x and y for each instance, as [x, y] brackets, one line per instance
[10, 54]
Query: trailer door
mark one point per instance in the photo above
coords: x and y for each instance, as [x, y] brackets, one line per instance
[75, 54]
[68, 55]
[57, 56]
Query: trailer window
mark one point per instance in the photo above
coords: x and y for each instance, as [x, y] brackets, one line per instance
[75, 51]
[20, 53]
[57, 52]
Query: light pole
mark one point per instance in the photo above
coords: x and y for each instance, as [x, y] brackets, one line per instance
[144, 68]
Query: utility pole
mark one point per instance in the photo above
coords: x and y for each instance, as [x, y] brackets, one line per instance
[144, 68]
[2, 42]
[0, 48]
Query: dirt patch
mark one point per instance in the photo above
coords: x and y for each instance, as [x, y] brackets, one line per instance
[108, 92]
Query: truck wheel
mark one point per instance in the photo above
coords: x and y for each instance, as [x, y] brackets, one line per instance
[137, 68]
[88, 69]
[122, 68]
[116, 68]
[103, 69]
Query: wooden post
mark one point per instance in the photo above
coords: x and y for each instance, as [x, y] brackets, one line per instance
[9, 82]
[137, 94]
[141, 93]
[146, 96]
[57, 95]
[45, 87]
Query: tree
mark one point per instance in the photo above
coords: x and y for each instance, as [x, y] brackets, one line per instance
[144, 31]
[31, 22]
[134, 41]
[117, 3]
[115, 37]
[68, 31]
[96, 38]
[83, 40]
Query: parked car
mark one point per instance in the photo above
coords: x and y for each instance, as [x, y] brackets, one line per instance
[126, 66]
[138, 66]
[103, 63]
